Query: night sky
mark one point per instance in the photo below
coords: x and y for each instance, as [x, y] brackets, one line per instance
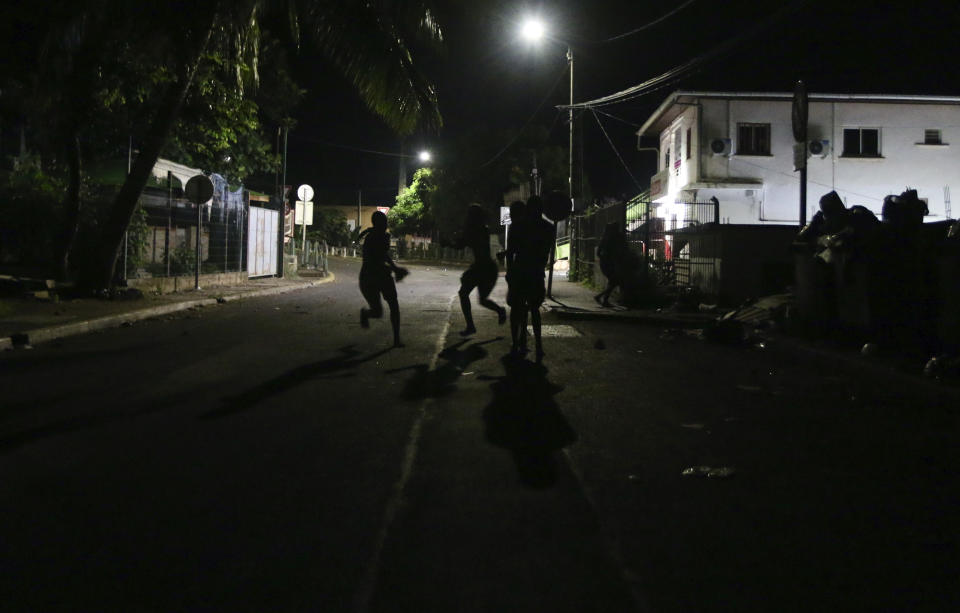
[487, 76]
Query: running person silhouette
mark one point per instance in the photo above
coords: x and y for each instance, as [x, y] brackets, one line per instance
[529, 251]
[375, 277]
[482, 274]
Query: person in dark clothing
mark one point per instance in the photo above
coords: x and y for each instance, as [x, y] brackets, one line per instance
[612, 253]
[375, 276]
[482, 274]
[834, 222]
[518, 326]
[529, 251]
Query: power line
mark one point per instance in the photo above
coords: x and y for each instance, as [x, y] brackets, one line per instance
[681, 70]
[648, 25]
[620, 119]
[540, 106]
[615, 150]
[351, 148]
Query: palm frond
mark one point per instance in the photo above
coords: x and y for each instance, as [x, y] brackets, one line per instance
[371, 44]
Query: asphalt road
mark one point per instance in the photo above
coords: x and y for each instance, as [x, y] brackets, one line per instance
[270, 455]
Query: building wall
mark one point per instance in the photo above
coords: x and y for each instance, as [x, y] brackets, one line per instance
[905, 162]
[351, 212]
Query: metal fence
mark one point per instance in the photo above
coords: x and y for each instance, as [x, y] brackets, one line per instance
[674, 241]
[166, 231]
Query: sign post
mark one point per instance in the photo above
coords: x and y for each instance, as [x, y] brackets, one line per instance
[799, 117]
[199, 190]
[305, 194]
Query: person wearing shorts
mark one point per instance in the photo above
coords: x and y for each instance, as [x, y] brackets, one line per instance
[376, 278]
[482, 274]
[528, 253]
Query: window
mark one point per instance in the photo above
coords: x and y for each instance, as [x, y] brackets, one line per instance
[861, 142]
[753, 139]
[689, 148]
[932, 137]
[666, 159]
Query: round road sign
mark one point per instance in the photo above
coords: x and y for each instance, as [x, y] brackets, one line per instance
[199, 189]
[305, 192]
[556, 206]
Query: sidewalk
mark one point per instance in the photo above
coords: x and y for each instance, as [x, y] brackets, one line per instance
[29, 321]
[573, 300]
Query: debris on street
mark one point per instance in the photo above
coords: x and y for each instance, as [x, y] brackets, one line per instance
[710, 472]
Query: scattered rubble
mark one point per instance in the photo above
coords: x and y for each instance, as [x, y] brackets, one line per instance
[710, 472]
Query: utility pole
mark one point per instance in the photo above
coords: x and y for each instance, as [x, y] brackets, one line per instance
[553, 253]
[284, 197]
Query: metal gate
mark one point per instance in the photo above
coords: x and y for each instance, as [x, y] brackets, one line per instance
[262, 242]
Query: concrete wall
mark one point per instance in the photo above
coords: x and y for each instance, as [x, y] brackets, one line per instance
[166, 285]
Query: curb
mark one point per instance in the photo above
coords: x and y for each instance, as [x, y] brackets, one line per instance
[41, 335]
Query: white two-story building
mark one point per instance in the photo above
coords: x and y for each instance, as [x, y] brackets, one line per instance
[739, 148]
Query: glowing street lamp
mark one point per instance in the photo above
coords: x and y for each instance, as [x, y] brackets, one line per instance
[533, 29]
[424, 156]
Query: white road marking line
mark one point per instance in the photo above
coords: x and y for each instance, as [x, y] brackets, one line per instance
[368, 583]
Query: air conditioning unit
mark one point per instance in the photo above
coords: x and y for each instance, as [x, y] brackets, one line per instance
[819, 148]
[720, 146]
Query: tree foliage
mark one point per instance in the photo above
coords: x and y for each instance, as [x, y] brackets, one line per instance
[111, 69]
[414, 208]
[329, 225]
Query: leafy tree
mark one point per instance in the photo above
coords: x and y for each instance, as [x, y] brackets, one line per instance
[413, 211]
[329, 225]
[478, 169]
[371, 43]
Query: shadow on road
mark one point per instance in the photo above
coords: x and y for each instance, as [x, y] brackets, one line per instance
[524, 419]
[348, 359]
[442, 380]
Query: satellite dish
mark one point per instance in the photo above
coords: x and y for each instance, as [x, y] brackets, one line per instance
[556, 206]
[199, 189]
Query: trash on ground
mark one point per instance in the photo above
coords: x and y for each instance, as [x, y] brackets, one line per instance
[722, 472]
[674, 333]
[710, 472]
[942, 366]
[707, 308]
[870, 349]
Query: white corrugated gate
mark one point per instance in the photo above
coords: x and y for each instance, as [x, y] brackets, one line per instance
[262, 242]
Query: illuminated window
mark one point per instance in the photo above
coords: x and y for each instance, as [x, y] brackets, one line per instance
[932, 137]
[861, 142]
[753, 139]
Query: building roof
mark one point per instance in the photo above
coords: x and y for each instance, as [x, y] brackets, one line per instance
[673, 105]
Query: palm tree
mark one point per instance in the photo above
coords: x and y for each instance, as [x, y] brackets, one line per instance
[370, 42]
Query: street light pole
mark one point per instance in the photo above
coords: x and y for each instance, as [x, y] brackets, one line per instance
[553, 253]
[570, 119]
